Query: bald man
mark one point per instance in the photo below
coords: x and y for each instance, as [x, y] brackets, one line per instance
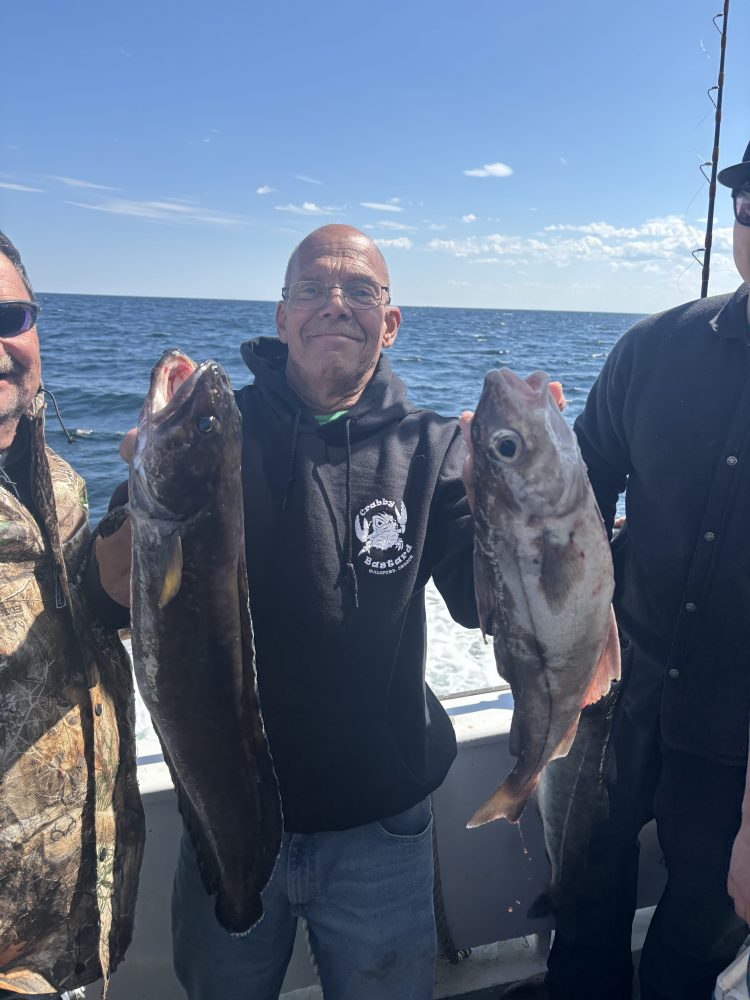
[353, 500]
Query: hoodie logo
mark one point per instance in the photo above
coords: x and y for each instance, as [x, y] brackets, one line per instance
[380, 526]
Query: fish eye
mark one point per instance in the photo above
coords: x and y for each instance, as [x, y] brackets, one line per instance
[505, 447]
[208, 424]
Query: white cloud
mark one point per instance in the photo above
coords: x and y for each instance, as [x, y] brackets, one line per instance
[265, 189]
[490, 170]
[74, 182]
[10, 186]
[469, 218]
[437, 227]
[657, 245]
[563, 161]
[310, 208]
[308, 180]
[383, 206]
[398, 226]
[171, 210]
[399, 243]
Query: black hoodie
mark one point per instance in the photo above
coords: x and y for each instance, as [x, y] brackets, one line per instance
[344, 524]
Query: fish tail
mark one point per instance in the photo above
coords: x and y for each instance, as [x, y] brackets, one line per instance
[508, 802]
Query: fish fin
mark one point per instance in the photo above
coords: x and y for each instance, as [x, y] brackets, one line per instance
[24, 981]
[608, 667]
[563, 747]
[171, 569]
[562, 567]
[507, 802]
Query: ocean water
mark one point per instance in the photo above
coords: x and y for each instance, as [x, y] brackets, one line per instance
[98, 351]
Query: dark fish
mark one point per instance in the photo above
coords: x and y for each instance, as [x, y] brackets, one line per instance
[573, 798]
[543, 576]
[192, 634]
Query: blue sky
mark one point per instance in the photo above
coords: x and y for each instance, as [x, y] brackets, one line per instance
[532, 154]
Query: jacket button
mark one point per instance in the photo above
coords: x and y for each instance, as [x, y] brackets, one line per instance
[103, 854]
[690, 606]
[709, 536]
[731, 459]
[674, 673]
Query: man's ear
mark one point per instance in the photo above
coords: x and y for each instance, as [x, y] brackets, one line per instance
[281, 321]
[392, 323]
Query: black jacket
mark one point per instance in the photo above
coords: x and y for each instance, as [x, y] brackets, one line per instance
[669, 417]
[345, 523]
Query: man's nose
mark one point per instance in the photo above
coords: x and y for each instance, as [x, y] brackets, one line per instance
[335, 304]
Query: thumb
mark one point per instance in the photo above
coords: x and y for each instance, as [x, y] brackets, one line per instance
[127, 445]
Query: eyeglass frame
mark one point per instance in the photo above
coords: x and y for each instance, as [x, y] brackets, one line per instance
[745, 192]
[34, 307]
[329, 288]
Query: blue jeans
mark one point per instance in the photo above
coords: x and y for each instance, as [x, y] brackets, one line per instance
[366, 895]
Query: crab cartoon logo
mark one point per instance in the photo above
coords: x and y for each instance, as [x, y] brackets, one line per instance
[380, 526]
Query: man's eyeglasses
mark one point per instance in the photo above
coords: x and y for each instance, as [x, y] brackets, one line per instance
[741, 201]
[17, 317]
[359, 293]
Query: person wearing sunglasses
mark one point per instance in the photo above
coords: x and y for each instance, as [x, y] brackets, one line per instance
[667, 422]
[71, 821]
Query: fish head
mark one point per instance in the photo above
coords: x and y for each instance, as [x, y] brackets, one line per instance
[188, 421]
[525, 453]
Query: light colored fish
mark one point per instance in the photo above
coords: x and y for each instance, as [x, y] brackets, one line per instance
[543, 576]
[192, 634]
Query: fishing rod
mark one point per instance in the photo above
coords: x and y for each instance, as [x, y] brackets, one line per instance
[714, 163]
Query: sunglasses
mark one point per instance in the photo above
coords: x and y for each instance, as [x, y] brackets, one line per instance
[17, 317]
[741, 201]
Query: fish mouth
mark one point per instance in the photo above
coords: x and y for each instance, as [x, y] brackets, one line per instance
[173, 380]
[172, 372]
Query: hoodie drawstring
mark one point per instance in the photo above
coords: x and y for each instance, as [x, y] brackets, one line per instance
[349, 543]
[292, 456]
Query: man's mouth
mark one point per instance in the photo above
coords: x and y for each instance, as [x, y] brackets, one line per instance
[345, 334]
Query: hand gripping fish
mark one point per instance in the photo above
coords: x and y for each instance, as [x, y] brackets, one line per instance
[543, 576]
[192, 635]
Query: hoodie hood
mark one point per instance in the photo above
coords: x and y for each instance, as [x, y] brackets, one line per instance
[382, 402]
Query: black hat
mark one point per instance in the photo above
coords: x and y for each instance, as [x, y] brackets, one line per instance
[739, 175]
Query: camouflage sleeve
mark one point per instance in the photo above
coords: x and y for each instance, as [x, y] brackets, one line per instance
[452, 538]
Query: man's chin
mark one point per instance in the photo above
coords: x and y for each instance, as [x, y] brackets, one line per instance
[13, 401]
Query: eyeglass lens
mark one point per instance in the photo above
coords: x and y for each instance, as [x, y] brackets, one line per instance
[358, 294]
[16, 317]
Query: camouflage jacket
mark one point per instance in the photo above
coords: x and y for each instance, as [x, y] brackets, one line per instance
[71, 820]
